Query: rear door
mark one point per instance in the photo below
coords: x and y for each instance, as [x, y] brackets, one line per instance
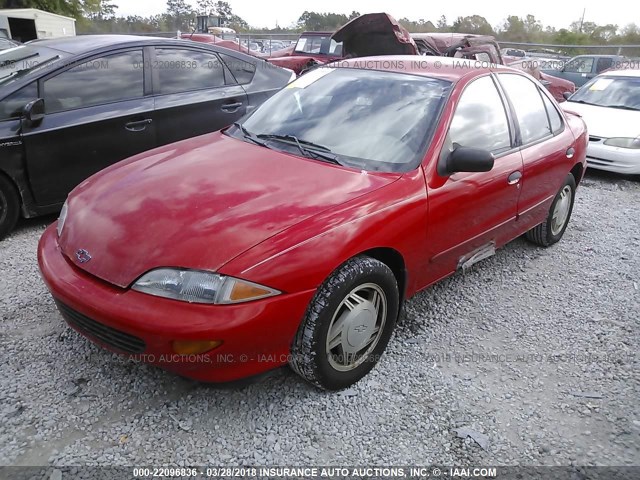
[603, 63]
[194, 93]
[545, 146]
[96, 114]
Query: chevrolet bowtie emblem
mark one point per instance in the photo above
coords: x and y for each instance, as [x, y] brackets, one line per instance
[83, 256]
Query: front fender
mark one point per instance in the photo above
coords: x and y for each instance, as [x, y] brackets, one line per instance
[303, 256]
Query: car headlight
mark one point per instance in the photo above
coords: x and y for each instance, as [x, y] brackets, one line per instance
[195, 286]
[623, 142]
[61, 219]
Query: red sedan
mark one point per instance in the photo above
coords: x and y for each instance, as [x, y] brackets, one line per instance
[295, 235]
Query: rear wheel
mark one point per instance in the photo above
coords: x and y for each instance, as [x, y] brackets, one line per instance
[552, 229]
[347, 325]
[9, 206]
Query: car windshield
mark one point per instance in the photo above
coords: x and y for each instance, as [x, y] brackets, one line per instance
[617, 92]
[367, 119]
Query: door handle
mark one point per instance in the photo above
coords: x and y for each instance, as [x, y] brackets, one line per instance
[570, 152]
[137, 126]
[231, 107]
[514, 177]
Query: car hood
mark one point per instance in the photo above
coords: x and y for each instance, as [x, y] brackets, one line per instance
[606, 122]
[198, 204]
[374, 34]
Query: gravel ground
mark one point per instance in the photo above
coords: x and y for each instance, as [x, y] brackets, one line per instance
[533, 353]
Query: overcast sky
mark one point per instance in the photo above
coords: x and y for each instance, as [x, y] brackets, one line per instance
[556, 13]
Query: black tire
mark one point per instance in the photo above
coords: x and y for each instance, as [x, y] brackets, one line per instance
[9, 206]
[310, 357]
[548, 233]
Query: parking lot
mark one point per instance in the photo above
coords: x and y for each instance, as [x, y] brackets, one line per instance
[534, 350]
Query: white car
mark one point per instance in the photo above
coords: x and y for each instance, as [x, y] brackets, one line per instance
[610, 106]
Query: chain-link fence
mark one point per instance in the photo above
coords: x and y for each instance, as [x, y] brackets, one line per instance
[270, 42]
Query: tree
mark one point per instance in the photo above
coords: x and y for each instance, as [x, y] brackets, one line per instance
[421, 26]
[442, 24]
[472, 24]
[179, 14]
[516, 29]
[104, 10]
[314, 21]
[206, 7]
[70, 8]
[223, 9]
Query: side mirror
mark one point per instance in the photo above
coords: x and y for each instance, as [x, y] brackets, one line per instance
[33, 112]
[566, 95]
[467, 159]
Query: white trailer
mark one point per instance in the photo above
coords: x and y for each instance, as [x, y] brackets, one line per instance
[24, 24]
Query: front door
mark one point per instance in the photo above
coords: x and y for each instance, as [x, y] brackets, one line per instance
[96, 114]
[470, 212]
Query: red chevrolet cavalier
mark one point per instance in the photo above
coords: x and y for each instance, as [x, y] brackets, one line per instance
[295, 235]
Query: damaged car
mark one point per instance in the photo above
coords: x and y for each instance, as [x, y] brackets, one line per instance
[293, 236]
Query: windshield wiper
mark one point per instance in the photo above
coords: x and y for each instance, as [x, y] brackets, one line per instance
[10, 61]
[586, 103]
[24, 71]
[622, 107]
[324, 153]
[247, 134]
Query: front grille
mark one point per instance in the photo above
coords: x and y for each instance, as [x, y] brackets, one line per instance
[594, 139]
[107, 335]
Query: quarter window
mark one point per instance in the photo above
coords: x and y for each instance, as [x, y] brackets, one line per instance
[527, 102]
[185, 70]
[554, 116]
[480, 120]
[112, 78]
[242, 71]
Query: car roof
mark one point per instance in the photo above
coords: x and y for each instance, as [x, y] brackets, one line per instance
[86, 43]
[622, 73]
[446, 68]
[597, 55]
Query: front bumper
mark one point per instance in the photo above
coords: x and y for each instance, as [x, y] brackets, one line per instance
[256, 335]
[613, 159]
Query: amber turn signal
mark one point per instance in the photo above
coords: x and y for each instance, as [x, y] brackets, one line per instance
[247, 291]
[194, 347]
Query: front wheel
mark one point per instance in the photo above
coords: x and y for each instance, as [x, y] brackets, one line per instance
[347, 325]
[551, 230]
[9, 207]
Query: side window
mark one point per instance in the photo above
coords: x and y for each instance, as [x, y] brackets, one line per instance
[480, 120]
[310, 44]
[182, 70]
[580, 65]
[603, 64]
[111, 78]
[11, 107]
[335, 48]
[527, 102]
[554, 116]
[242, 71]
